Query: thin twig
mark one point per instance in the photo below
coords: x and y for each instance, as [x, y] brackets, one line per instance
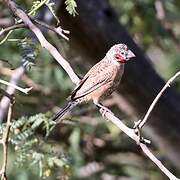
[15, 26]
[24, 90]
[57, 30]
[142, 123]
[20, 21]
[6, 37]
[4, 142]
[28, 81]
[37, 7]
[44, 43]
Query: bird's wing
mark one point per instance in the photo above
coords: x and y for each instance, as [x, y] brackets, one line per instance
[97, 76]
[73, 93]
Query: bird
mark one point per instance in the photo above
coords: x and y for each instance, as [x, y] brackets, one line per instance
[100, 81]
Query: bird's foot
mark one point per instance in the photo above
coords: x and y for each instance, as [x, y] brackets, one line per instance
[103, 110]
[138, 132]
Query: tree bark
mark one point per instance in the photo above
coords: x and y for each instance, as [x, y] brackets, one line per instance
[94, 30]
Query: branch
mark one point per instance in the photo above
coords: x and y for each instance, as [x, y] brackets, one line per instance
[57, 30]
[15, 26]
[4, 142]
[44, 43]
[131, 133]
[53, 51]
[29, 82]
[18, 73]
[142, 123]
[24, 90]
[11, 97]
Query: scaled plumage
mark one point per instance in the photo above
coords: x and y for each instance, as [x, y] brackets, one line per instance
[101, 80]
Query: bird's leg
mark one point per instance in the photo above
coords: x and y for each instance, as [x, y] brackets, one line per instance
[103, 109]
[138, 131]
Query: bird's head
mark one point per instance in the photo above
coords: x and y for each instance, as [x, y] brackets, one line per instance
[120, 53]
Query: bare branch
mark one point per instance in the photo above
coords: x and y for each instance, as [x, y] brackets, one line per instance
[24, 90]
[44, 43]
[4, 142]
[131, 133]
[15, 26]
[11, 97]
[57, 30]
[142, 123]
[18, 73]
[28, 81]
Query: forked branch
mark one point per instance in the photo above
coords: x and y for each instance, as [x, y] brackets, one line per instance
[53, 51]
[142, 123]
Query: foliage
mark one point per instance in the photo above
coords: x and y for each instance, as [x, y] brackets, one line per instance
[71, 7]
[78, 146]
[141, 19]
[30, 149]
[37, 4]
[33, 150]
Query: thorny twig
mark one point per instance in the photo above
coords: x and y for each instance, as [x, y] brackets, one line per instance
[131, 133]
[142, 123]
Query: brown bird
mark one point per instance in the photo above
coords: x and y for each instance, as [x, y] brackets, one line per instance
[100, 81]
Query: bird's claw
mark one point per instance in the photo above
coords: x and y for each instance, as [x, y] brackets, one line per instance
[104, 111]
[138, 132]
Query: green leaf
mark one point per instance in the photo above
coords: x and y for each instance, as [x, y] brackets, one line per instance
[71, 7]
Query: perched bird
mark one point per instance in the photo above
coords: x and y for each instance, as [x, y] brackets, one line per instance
[100, 81]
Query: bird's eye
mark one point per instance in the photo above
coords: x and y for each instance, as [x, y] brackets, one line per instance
[122, 53]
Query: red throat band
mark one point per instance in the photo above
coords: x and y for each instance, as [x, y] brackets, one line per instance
[120, 58]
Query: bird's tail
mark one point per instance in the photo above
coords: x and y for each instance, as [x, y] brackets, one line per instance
[70, 105]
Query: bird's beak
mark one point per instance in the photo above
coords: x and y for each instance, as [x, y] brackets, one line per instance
[130, 54]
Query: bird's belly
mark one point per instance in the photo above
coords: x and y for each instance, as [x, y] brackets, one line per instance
[102, 92]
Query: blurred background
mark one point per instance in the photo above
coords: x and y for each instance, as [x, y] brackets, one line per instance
[85, 146]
